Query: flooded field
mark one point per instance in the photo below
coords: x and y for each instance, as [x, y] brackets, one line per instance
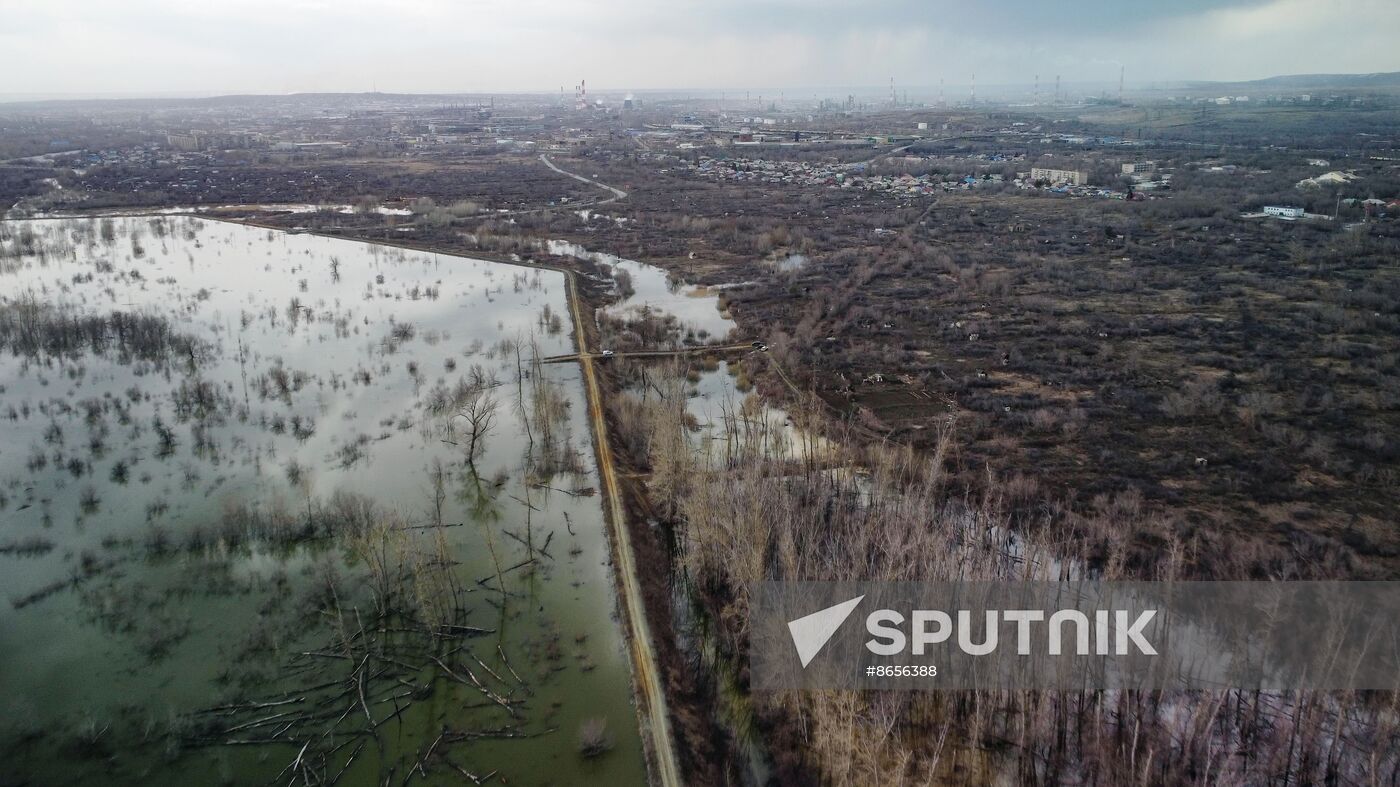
[729, 421]
[285, 508]
[650, 287]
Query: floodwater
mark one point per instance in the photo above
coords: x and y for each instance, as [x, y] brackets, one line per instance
[729, 421]
[272, 207]
[696, 308]
[245, 535]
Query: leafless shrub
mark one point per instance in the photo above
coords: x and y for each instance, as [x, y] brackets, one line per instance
[593, 737]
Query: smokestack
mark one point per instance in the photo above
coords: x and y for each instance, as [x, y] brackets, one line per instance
[1057, 88]
[973, 95]
[1036, 99]
[1121, 69]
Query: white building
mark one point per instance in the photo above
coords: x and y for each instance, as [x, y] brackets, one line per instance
[1283, 212]
[191, 141]
[1073, 177]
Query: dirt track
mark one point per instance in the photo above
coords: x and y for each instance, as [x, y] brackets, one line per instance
[655, 716]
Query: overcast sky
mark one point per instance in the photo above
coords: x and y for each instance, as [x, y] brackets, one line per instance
[283, 46]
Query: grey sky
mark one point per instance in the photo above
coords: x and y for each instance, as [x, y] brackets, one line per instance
[280, 46]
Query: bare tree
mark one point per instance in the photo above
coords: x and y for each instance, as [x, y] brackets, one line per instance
[479, 412]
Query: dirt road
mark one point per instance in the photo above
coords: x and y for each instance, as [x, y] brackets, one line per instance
[655, 718]
[617, 193]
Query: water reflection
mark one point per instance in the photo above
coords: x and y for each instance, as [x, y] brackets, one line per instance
[286, 507]
[650, 287]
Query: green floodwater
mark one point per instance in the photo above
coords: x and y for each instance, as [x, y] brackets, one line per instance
[241, 541]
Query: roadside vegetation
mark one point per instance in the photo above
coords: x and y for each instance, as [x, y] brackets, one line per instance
[835, 506]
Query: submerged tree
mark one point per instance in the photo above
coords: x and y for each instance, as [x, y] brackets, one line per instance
[479, 415]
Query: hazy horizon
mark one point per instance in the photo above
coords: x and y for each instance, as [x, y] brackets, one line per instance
[793, 92]
[166, 48]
